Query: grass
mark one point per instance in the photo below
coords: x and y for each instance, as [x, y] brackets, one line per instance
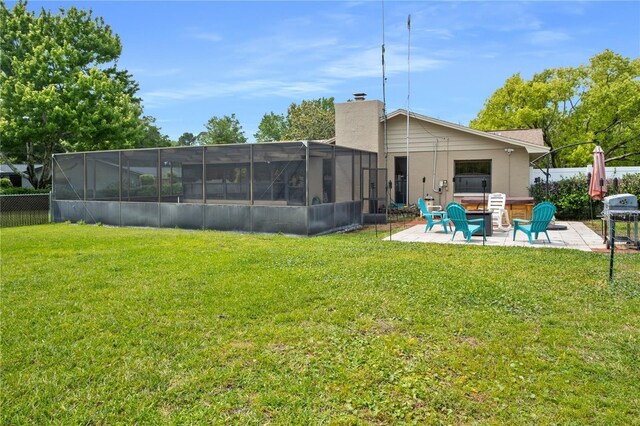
[113, 325]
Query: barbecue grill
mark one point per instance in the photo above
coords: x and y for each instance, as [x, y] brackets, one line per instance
[621, 208]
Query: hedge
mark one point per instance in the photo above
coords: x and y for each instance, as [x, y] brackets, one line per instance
[571, 195]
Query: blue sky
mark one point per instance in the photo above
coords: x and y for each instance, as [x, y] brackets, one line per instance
[198, 59]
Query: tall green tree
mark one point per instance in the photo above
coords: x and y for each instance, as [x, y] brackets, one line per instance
[60, 88]
[272, 128]
[187, 139]
[311, 119]
[226, 129]
[598, 102]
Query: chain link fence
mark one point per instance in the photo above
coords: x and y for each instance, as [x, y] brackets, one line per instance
[22, 210]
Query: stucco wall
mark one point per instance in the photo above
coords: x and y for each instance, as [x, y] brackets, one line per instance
[358, 126]
[510, 172]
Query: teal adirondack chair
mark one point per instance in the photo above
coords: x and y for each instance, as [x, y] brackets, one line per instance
[540, 217]
[433, 218]
[458, 215]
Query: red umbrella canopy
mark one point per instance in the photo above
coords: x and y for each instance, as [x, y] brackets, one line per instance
[598, 184]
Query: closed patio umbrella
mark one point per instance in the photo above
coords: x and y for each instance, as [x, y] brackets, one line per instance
[598, 184]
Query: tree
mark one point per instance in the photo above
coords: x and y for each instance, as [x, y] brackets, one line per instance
[222, 130]
[188, 139]
[595, 102]
[312, 119]
[272, 128]
[609, 111]
[60, 88]
[151, 137]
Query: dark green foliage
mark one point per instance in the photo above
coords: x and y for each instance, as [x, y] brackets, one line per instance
[188, 139]
[571, 195]
[16, 190]
[147, 180]
[629, 184]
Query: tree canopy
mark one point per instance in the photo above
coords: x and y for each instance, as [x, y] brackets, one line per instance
[187, 139]
[598, 102]
[272, 128]
[226, 129]
[310, 120]
[60, 88]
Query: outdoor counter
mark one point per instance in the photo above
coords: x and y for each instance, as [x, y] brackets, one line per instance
[518, 207]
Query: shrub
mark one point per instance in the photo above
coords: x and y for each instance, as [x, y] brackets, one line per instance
[16, 190]
[147, 180]
[628, 184]
[571, 195]
[5, 183]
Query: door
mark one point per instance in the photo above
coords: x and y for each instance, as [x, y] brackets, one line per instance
[400, 175]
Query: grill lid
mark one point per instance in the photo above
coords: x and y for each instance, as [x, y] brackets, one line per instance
[621, 202]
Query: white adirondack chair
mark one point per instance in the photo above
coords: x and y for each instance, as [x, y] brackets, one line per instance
[496, 204]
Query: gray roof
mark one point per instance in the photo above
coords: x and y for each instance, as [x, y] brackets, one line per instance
[21, 167]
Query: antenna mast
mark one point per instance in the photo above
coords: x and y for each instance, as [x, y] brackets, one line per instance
[384, 96]
[408, 103]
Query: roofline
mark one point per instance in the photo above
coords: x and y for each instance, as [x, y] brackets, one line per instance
[530, 147]
[305, 142]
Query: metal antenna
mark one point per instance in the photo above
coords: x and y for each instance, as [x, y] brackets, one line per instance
[408, 103]
[384, 108]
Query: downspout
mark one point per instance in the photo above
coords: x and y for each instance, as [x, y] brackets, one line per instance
[435, 163]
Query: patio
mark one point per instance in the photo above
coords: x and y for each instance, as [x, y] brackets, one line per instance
[577, 236]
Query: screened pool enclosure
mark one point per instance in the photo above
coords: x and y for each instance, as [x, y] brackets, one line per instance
[304, 188]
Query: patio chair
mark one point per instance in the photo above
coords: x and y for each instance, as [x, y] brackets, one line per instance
[458, 215]
[540, 217]
[433, 217]
[496, 204]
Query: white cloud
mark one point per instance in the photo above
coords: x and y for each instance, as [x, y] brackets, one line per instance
[203, 35]
[547, 37]
[368, 63]
[246, 89]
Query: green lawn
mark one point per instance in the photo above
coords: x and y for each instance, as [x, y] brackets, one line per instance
[113, 325]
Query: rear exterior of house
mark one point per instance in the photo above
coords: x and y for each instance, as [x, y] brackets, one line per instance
[304, 187]
[446, 161]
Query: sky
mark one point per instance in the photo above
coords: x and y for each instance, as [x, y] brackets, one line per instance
[199, 59]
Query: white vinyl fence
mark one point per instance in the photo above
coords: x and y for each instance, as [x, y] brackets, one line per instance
[566, 172]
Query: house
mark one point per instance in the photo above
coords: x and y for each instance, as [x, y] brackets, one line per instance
[16, 179]
[299, 187]
[445, 161]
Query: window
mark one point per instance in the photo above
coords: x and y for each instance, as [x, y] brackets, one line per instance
[469, 175]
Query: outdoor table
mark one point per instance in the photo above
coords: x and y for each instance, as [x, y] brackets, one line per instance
[484, 214]
[518, 207]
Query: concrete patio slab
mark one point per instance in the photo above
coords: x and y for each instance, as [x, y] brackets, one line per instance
[577, 236]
